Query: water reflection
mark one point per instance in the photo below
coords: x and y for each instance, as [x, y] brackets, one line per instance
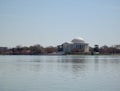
[73, 64]
[96, 61]
[73, 72]
[72, 59]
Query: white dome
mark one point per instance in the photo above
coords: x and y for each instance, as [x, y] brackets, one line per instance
[78, 40]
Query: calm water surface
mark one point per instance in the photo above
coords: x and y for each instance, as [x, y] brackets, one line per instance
[60, 73]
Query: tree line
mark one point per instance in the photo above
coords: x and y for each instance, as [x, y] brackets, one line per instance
[40, 50]
[31, 50]
[105, 49]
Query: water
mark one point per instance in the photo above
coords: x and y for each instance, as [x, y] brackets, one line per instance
[60, 73]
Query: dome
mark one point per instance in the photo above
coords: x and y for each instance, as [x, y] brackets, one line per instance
[78, 40]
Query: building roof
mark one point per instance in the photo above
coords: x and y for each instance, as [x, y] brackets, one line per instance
[78, 40]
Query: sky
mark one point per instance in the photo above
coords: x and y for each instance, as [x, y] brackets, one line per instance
[53, 22]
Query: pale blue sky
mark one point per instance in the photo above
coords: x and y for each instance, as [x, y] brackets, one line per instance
[52, 22]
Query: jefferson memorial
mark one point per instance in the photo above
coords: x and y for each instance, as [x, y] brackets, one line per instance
[76, 45]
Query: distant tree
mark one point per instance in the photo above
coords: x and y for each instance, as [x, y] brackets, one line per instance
[50, 49]
[36, 49]
[96, 48]
[104, 49]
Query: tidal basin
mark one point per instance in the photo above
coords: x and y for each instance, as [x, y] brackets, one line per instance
[60, 73]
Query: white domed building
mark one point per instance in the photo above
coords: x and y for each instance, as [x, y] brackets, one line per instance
[78, 40]
[77, 45]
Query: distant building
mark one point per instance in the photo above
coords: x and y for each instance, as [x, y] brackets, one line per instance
[3, 48]
[77, 45]
[117, 46]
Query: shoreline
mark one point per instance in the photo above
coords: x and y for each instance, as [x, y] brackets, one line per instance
[59, 55]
